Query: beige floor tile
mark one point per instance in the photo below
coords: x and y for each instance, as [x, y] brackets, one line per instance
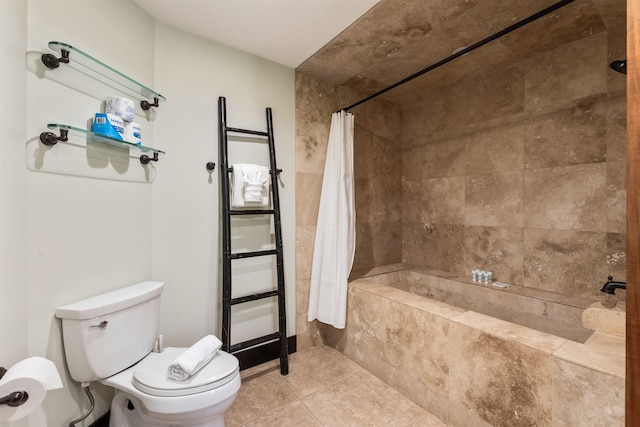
[351, 403]
[293, 414]
[255, 371]
[387, 392]
[416, 417]
[259, 394]
[318, 367]
[324, 388]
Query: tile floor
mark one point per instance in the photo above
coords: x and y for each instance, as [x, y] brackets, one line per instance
[323, 388]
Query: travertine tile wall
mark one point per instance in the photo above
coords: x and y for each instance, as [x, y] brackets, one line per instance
[378, 182]
[315, 101]
[521, 171]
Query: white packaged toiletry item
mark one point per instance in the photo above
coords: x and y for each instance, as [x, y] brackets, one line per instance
[132, 133]
[108, 125]
[121, 107]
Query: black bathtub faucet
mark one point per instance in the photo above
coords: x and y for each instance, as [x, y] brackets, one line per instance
[611, 286]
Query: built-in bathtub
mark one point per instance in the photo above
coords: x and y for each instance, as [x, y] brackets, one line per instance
[455, 347]
[537, 309]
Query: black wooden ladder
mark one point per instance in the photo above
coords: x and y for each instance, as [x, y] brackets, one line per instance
[228, 255]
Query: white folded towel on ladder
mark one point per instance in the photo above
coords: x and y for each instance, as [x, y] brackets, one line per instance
[249, 186]
[191, 361]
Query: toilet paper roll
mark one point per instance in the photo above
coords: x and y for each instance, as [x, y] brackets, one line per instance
[108, 125]
[132, 133]
[35, 376]
[121, 107]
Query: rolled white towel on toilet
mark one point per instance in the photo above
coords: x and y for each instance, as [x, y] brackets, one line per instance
[191, 361]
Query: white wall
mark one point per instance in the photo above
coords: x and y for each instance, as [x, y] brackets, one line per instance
[79, 219]
[193, 73]
[88, 207]
[13, 202]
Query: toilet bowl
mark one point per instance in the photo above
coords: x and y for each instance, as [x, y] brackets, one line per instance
[109, 338]
[146, 398]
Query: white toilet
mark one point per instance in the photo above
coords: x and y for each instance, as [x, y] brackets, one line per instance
[110, 338]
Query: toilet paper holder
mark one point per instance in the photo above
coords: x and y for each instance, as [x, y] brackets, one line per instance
[15, 398]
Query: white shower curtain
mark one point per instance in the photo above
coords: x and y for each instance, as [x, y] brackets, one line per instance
[335, 242]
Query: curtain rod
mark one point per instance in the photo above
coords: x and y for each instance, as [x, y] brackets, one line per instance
[465, 50]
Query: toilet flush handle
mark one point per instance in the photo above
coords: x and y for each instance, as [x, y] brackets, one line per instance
[100, 325]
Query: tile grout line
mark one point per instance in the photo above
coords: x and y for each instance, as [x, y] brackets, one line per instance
[326, 386]
[402, 411]
[322, 389]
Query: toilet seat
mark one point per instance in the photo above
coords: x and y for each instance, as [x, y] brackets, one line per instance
[170, 406]
[150, 374]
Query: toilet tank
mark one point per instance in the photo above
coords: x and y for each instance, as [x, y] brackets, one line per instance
[106, 334]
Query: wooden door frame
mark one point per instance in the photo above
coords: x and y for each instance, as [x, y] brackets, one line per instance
[632, 399]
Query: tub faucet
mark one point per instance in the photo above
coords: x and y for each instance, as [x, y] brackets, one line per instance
[611, 286]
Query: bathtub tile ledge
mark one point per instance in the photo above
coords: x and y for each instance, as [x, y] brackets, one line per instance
[595, 355]
[364, 284]
[530, 337]
[437, 308]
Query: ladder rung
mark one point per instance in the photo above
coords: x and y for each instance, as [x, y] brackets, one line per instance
[250, 132]
[250, 343]
[230, 170]
[241, 255]
[254, 297]
[252, 212]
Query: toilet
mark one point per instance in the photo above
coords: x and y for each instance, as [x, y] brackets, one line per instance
[112, 338]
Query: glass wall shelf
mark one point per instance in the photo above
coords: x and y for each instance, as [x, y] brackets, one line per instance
[75, 57]
[49, 138]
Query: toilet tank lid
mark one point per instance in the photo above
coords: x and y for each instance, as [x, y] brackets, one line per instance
[110, 302]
